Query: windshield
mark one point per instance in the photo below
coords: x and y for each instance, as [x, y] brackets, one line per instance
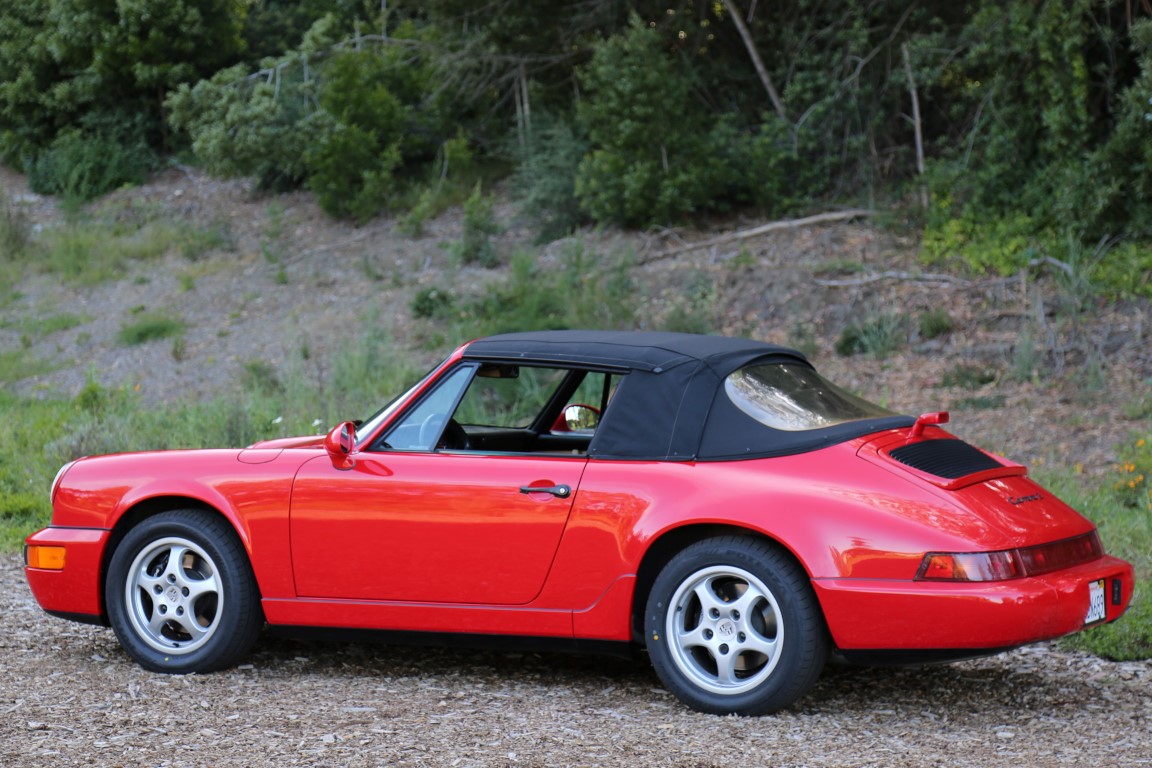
[375, 420]
[795, 398]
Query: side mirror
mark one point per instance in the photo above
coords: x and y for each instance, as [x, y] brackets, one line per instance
[581, 418]
[340, 443]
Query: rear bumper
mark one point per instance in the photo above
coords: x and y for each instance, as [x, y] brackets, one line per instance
[74, 591]
[898, 615]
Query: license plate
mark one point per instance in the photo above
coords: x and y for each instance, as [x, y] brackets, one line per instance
[1096, 608]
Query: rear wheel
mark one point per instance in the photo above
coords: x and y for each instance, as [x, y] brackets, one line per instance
[180, 593]
[733, 627]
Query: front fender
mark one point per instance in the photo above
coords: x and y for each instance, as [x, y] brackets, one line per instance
[109, 492]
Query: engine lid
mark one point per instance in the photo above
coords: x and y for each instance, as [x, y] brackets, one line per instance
[939, 458]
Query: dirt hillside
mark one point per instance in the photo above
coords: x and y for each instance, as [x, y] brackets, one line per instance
[1020, 374]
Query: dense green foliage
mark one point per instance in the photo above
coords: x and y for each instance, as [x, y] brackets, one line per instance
[646, 132]
[1034, 114]
[341, 120]
[82, 83]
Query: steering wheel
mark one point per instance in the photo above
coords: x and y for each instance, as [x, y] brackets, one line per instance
[430, 429]
[454, 437]
[436, 434]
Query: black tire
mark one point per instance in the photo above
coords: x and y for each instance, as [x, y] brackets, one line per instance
[180, 593]
[733, 627]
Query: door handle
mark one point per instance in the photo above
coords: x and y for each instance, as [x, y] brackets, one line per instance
[559, 491]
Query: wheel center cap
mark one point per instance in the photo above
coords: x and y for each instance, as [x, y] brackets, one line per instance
[725, 628]
[173, 594]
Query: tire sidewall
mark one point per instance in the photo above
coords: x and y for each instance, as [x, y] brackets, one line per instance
[239, 613]
[804, 645]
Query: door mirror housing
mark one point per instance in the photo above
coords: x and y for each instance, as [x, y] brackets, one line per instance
[340, 443]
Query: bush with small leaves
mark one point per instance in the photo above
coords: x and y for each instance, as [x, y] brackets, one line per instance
[82, 166]
[432, 302]
[876, 335]
[475, 246]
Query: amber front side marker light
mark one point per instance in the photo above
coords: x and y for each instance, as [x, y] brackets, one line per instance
[44, 558]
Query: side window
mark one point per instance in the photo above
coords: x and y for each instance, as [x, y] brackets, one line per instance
[586, 405]
[503, 408]
[508, 396]
[421, 428]
[595, 390]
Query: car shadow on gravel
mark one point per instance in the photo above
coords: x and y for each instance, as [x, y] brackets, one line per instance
[999, 683]
[412, 659]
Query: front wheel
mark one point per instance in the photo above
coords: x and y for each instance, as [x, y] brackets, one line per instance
[733, 627]
[180, 593]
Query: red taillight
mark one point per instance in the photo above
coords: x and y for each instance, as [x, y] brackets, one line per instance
[1011, 563]
[1062, 554]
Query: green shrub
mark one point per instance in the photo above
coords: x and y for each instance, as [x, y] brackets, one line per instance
[1133, 485]
[350, 173]
[432, 302]
[260, 376]
[646, 133]
[150, 326]
[968, 376]
[1126, 531]
[475, 245]
[694, 307]
[16, 365]
[93, 398]
[1125, 271]
[88, 251]
[1001, 245]
[342, 121]
[449, 181]
[545, 180]
[579, 290]
[656, 155]
[935, 323]
[876, 335]
[83, 166]
[350, 165]
[195, 241]
[15, 230]
[244, 126]
[1112, 191]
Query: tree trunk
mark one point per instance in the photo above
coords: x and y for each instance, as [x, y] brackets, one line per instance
[757, 62]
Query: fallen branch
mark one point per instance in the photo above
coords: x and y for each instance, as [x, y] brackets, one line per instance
[878, 276]
[744, 234]
[341, 244]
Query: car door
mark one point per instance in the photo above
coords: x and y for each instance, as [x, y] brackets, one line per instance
[412, 522]
[436, 527]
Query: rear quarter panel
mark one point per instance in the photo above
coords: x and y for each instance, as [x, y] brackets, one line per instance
[840, 516]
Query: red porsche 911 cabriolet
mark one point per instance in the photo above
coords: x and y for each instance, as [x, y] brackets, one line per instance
[713, 500]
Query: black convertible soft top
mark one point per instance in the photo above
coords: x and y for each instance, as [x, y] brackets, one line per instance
[671, 405]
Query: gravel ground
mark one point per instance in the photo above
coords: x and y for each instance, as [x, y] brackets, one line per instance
[70, 697]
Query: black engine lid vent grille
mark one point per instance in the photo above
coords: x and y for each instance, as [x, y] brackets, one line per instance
[950, 459]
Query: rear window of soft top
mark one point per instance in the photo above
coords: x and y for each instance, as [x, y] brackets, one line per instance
[795, 398]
